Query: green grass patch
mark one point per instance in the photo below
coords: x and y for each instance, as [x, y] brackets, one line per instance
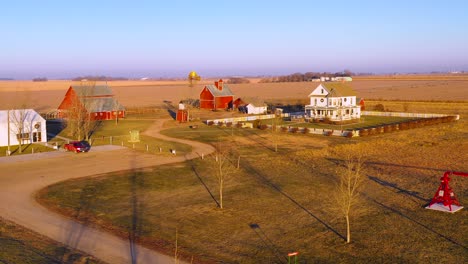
[26, 149]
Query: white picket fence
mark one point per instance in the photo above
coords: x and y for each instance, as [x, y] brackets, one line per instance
[320, 131]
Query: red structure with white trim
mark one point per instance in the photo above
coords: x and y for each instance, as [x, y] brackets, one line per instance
[217, 96]
[445, 194]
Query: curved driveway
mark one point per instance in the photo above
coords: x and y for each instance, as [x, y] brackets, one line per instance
[21, 177]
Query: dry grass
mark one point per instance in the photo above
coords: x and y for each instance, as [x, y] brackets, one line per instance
[273, 210]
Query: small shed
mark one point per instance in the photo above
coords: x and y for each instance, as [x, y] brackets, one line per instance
[217, 96]
[25, 125]
[182, 114]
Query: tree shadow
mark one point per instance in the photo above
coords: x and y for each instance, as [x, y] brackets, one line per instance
[192, 165]
[268, 243]
[252, 171]
[426, 227]
[398, 189]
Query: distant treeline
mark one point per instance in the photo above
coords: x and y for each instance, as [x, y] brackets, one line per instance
[99, 78]
[305, 77]
[237, 80]
[6, 79]
[40, 79]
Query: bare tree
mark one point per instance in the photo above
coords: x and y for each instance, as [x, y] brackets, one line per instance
[223, 167]
[79, 117]
[351, 177]
[275, 127]
[20, 126]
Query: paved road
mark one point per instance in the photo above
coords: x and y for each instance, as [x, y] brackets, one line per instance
[22, 176]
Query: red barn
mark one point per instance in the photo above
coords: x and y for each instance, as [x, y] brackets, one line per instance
[95, 100]
[217, 96]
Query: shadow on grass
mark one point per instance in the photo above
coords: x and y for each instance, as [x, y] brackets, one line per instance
[136, 181]
[268, 243]
[398, 189]
[426, 227]
[78, 229]
[192, 165]
[249, 168]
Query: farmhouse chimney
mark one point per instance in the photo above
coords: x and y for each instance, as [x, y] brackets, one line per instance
[219, 84]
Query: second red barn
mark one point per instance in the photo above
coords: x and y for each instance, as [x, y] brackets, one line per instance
[217, 96]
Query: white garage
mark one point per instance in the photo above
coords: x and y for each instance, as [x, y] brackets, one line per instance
[21, 124]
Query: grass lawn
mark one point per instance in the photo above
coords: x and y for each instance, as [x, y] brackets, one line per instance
[365, 121]
[108, 132]
[19, 245]
[280, 202]
[27, 149]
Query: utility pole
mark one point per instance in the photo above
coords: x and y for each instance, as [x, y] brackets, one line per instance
[8, 121]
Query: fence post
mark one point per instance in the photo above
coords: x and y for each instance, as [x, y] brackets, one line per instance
[110, 140]
[146, 147]
[133, 145]
[32, 150]
[160, 149]
[122, 143]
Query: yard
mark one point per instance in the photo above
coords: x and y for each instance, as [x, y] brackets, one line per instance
[280, 202]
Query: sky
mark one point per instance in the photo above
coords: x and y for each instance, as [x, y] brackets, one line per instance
[160, 39]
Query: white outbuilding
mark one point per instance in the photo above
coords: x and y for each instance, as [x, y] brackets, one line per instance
[21, 124]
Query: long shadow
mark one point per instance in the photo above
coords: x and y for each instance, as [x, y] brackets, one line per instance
[268, 243]
[398, 189]
[136, 181]
[77, 229]
[340, 161]
[417, 222]
[248, 167]
[192, 165]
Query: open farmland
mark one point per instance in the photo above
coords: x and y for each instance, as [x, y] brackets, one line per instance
[44, 96]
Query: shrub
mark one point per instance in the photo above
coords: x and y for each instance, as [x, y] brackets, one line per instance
[364, 132]
[379, 107]
[229, 124]
[210, 123]
[294, 129]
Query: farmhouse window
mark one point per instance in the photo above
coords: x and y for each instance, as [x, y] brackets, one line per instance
[22, 136]
[315, 101]
[321, 100]
[345, 99]
[95, 114]
[347, 111]
[100, 114]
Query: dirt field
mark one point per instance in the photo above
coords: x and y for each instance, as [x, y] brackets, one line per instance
[44, 96]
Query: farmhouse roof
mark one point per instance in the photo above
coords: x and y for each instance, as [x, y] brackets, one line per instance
[338, 89]
[28, 115]
[226, 91]
[97, 90]
[101, 104]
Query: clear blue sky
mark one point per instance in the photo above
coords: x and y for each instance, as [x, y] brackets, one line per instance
[170, 38]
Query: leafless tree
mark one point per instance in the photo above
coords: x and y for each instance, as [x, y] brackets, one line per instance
[351, 177]
[79, 120]
[223, 167]
[20, 126]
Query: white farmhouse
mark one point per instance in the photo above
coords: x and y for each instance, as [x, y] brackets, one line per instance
[21, 124]
[333, 101]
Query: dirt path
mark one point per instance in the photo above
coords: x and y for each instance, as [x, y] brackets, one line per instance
[21, 178]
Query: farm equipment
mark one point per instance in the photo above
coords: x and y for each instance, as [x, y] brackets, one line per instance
[444, 198]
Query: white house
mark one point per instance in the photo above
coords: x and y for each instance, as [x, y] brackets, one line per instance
[24, 124]
[333, 101]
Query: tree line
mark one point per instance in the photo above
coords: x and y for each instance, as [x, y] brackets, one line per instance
[306, 77]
